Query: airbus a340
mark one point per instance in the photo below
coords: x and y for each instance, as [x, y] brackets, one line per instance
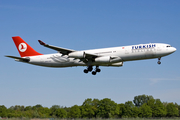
[114, 56]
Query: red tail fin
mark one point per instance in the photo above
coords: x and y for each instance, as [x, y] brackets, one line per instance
[23, 48]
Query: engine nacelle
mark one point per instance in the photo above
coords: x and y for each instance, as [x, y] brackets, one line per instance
[103, 59]
[77, 54]
[119, 64]
[115, 59]
[108, 59]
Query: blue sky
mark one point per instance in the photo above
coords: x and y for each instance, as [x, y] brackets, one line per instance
[88, 24]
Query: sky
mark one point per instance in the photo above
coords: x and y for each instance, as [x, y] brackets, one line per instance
[82, 25]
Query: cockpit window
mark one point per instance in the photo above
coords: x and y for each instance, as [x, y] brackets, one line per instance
[168, 46]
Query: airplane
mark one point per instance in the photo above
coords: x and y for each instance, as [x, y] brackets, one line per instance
[114, 56]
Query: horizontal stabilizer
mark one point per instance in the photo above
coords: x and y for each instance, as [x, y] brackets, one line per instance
[19, 58]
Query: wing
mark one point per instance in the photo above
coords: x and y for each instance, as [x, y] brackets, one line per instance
[19, 58]
[87, 56]
[64, 51]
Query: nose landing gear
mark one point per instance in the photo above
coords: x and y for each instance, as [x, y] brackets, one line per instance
[90, 68]
[159, 62]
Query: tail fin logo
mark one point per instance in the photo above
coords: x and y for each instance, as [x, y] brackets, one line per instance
[22, 47]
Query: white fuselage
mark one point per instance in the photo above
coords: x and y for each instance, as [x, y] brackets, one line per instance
[126, 53]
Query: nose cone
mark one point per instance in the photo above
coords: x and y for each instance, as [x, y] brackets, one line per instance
[173, 49]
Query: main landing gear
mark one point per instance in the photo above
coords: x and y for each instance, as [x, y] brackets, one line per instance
[90, 68]
[159, 62]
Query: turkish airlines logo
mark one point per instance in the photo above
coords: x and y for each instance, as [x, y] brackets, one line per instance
[22, 47]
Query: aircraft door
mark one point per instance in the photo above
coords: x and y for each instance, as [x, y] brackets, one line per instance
[126, 50]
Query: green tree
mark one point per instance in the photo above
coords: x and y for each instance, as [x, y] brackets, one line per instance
[122, 112]
[60, 113]
[95, 103]
[44, 112]
[67, 109]
[3, 111]
[28, 108]
[129, 105]
[36, 107]
[74, 112]
[35, 114]
[179, 109]
[131, 109]
[28, 114]
[87, 109]
[107, 108]
[53, 110]
[135, 112]
[141, 99]
[10, 112]
[157, 107]
[145, 111]
[17, 108]
[172, 111]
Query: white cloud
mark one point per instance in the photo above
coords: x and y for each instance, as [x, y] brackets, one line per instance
[155, 80]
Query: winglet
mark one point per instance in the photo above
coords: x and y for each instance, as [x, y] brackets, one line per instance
[41, 42]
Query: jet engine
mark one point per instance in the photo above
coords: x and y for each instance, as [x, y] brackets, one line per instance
[77, 54]
[108, 59]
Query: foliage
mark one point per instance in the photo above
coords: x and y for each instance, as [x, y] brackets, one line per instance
[3, 111]
[172, 111]
[145, 111]
[131, 110]
[107, 108]
[60, 113]
[144, 106]
[179, 109]
[141, 99]
[74, 112]
[157, 107]
[87, 110]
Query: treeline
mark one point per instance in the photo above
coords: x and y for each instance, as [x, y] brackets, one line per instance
[143, 106]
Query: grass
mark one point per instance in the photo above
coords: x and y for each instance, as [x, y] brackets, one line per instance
[175, 118]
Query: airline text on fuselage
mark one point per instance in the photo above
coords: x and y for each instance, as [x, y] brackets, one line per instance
[144, 46]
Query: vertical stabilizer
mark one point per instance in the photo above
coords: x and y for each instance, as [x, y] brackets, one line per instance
[23, 48]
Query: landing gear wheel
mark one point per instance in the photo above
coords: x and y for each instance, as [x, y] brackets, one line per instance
[85, 71]
[93, 72]
[90, 68]
[159, 62]
[159, 58]
[98, 70]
